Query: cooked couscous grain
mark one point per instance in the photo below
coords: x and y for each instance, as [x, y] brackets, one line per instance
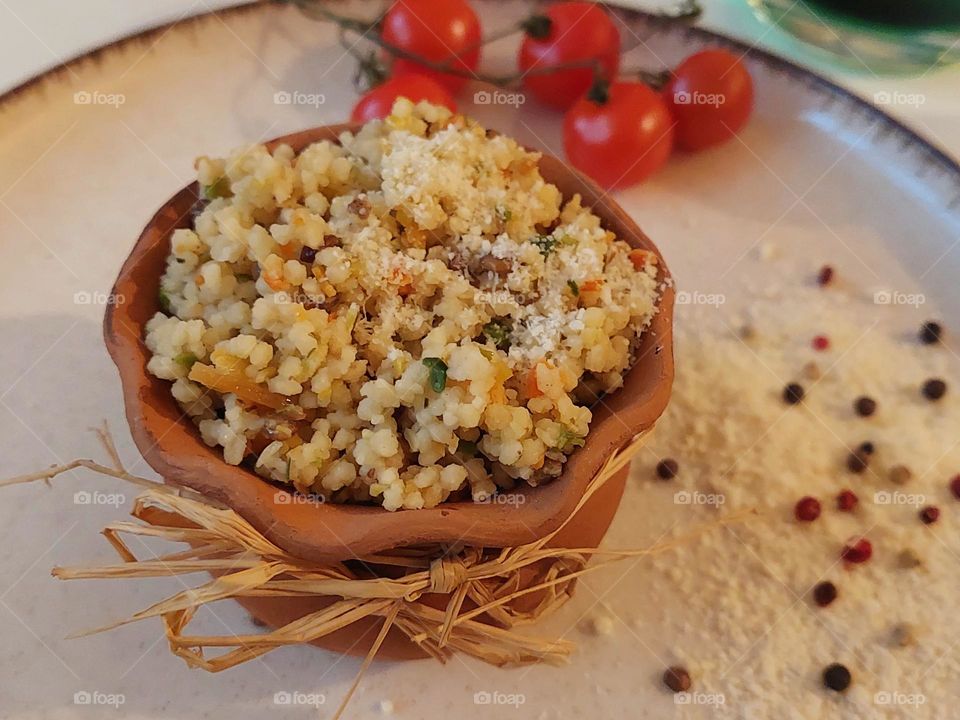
[407, 315]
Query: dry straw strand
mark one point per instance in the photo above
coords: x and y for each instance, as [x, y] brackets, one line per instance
[491, 592]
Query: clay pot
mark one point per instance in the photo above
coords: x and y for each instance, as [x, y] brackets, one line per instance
[171, 444]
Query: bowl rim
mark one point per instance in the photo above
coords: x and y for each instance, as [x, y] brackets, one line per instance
[171, 444]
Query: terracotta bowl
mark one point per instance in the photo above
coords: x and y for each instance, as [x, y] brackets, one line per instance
[171, 444]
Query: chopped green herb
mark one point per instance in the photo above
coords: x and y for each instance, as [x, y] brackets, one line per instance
[186, 359]
[438, 373]
[574, 288]
[486, 352]
[467, 448]
[549, 243]
[164, 301]
[498, 331]
[220, 188]
[504, 214]
[288, 469]
[568, 440]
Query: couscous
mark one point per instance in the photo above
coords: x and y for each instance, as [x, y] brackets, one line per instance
[408, 316]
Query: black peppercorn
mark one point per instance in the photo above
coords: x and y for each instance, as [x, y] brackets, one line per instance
[667, 469]
[836, 677]
[930, 333]
[865, 406]
[824, 593]
[793, 394]
[308, 255]
[677, 679]
[857, 462]
[934, 389]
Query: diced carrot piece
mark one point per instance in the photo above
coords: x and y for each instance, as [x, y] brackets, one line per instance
[276, 283]
[288, 252]
[640, 258]
[591, 285]
[231, 381]
[533, 390]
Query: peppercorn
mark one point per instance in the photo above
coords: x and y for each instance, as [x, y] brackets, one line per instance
[667, 469]
[903, 635]
[677, 679]
[821, 342]
[955, 486]
[836, 677]
[793, 393]
[929, 515]
[847, 500]
[308, 255]
[857, 462]
[825, 275]
[900, 474]
[807, 509]
[930, 332]
[857, 552]
[867, 448]
[811, 371]
[934, 389]
[908, 559]
[824, 593]
[865, 406]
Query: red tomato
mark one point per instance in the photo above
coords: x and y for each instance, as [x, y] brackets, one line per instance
[622, 141]
[376, 103]
[710, 96]
[576, 31]
[438, 31]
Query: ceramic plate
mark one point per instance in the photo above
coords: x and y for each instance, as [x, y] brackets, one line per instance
[90, 151]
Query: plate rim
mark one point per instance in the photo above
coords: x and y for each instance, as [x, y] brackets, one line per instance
[771, 59]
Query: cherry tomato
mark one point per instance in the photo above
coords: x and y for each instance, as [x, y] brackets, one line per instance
[377, 102]
[438, 31]
[710, 96]
[568, 32]
[622, 141]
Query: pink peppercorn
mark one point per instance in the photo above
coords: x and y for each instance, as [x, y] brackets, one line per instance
[821, 342]
[955, 486]
[847, 500]
[929, 515]
[807, 509]
[857, 551]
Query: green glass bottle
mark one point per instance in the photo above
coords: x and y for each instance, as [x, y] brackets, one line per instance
[875, 36]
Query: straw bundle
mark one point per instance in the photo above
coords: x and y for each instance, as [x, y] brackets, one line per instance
[489, 592]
